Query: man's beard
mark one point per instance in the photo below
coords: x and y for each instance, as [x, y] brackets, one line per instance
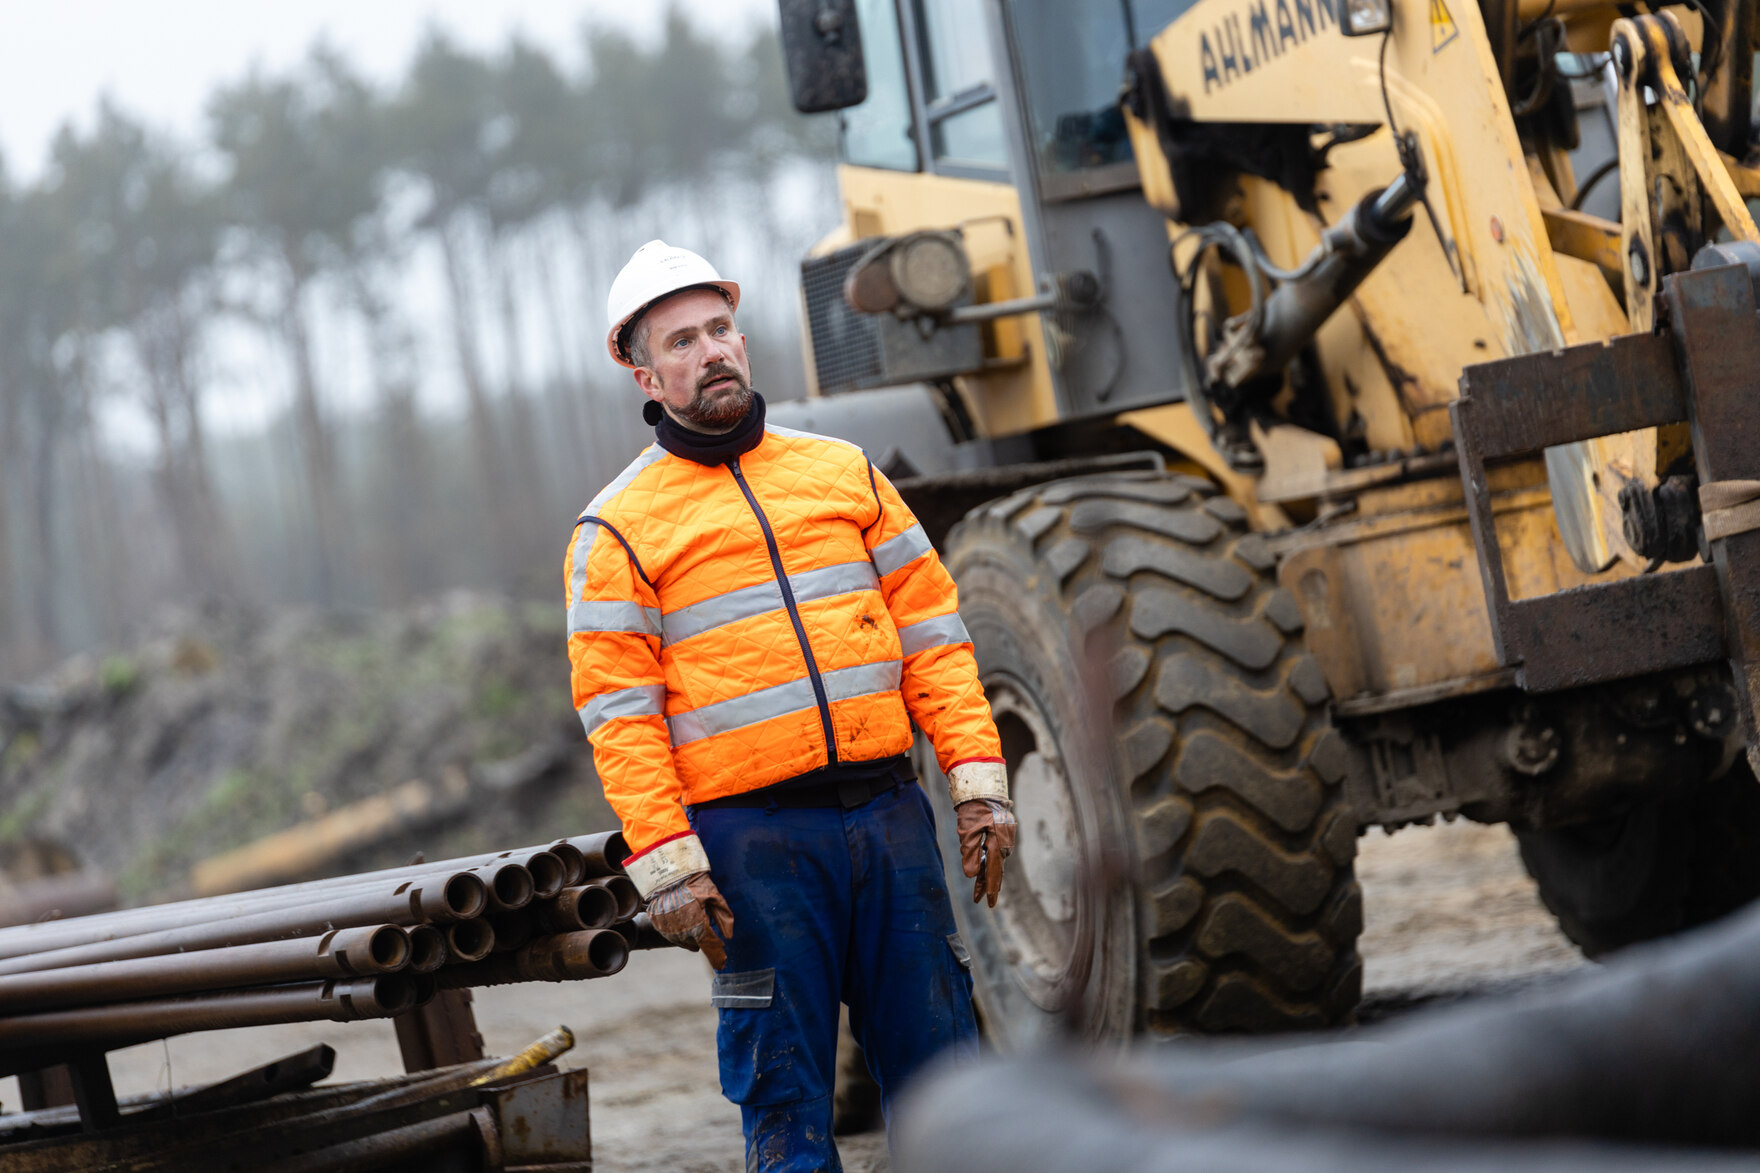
[719, 409]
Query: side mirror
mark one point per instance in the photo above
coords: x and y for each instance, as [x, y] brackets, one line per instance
[822, 48]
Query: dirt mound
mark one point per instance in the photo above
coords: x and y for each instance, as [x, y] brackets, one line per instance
[226, 727]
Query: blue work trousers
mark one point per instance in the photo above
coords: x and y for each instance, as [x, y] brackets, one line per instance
[830, 905]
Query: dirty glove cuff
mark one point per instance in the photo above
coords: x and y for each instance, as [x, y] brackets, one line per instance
[977, 778]
[666, 862]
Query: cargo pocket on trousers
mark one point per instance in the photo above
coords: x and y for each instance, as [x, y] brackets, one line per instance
[756, 1040]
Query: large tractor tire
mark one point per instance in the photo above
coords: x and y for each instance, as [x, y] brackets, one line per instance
[1663, 867]
[1185, 850]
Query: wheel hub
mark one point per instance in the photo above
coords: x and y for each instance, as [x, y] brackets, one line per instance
[1036, 915]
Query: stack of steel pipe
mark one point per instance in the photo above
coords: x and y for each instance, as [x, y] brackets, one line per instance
[371, 945]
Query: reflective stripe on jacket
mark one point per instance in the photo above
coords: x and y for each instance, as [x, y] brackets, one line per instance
[728, 623]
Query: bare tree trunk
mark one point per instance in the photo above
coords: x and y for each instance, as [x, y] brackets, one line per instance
[217, 551]
[9, 635]
[316, 449]
[561, 345]
[149, 348]
[44, 610]
[482, 421]
[103, 559]
[406, 566]
[602, 237]
[527, 459]
[597, 271]
[567, 390]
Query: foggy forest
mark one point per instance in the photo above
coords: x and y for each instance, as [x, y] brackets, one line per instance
[345, 349]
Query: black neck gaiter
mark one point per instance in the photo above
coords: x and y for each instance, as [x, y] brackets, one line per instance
[701, 447]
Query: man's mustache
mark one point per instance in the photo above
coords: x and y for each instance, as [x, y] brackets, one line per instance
[719, 371]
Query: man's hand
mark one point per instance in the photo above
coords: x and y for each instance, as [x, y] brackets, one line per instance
[682, 911]
[986, 838]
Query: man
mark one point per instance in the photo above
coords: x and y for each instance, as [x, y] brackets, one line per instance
[755, 620]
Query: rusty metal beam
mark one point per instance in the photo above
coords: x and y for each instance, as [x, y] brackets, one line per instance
[1614, 630]
[299, 1070]
[93, 1091]
[1604, 631]
[1586, 237]
[441, 1033]
[1712, 312]
[471, 1133]
[1520, 405]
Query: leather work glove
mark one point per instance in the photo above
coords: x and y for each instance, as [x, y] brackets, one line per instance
[683, 910]
[986, 838]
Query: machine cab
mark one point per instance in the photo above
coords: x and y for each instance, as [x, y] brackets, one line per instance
[996, 121]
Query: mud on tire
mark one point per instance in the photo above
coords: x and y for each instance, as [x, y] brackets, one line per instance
[1186, 854]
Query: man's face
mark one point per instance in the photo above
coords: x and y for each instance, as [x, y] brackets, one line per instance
[697, 368]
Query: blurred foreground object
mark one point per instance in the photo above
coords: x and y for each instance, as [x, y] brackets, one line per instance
[1602, 1071]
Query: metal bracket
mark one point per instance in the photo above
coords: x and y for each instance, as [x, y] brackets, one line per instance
[93, 1091]
[440, 1033]
[1702, 371]
[1521, 406]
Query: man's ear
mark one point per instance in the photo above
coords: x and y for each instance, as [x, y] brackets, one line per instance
[648, 383]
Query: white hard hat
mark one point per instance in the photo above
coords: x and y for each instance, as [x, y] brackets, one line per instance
[656, 270]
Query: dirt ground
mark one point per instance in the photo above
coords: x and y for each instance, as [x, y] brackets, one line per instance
[1448, 910]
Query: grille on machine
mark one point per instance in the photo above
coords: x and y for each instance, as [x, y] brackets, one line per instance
[846, 342]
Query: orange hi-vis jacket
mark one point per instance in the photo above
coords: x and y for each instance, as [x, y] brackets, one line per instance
[733, 625]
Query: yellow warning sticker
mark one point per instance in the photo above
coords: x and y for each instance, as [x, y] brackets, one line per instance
[1442, 26]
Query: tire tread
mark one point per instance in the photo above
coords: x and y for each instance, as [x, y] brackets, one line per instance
[1248, 908]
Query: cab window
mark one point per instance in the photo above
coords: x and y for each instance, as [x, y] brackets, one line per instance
[879, 132]
[1072, 64]
[965, 123]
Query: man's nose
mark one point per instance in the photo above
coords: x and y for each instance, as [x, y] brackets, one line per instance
[716, 351]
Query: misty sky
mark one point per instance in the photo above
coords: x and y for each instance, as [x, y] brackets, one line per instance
[161, 58]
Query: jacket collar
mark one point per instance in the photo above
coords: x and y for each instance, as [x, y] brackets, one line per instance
[705, 449]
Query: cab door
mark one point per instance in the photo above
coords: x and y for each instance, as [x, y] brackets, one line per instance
[1081, 198]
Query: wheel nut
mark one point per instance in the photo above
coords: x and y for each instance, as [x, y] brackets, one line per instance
[1531, 746]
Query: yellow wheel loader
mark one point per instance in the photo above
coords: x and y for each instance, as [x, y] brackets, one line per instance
[1336, 413]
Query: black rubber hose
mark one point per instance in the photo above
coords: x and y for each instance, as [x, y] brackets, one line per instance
[1655, 1050]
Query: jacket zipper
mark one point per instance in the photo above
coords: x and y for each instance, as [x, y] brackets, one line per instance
[794, 614]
